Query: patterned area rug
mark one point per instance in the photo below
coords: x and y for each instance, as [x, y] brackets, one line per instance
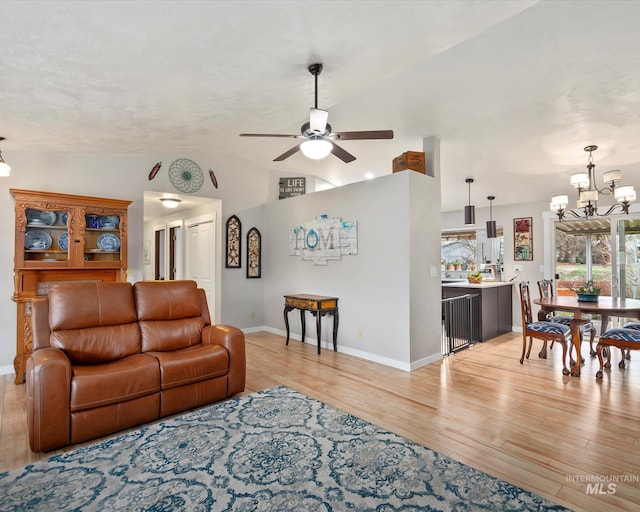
[274, 450]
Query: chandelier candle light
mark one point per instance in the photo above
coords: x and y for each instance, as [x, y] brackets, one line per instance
[588, 192]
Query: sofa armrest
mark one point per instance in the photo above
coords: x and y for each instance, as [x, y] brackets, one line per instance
[48, 381]
[232, 339]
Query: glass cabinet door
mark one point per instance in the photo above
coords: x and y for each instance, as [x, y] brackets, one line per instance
[46, 236]
[102, 239]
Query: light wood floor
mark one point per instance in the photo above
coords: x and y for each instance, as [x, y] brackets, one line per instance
[529, 425]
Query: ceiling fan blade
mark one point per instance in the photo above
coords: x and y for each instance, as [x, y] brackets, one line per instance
[372, 134]
[342, 154]
[318, 120]
[268, 135]
[287, 154]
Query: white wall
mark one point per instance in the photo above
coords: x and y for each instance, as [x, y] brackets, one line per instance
[376, 287]
[243, 300]
[121, 176]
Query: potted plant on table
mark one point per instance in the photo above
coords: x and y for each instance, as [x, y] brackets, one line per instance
[588, 292]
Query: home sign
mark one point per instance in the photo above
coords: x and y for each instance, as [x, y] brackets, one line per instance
[324, 238]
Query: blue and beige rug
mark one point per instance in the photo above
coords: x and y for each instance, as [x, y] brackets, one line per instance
[276, 450]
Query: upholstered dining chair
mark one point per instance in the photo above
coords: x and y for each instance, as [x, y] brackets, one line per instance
[545, 287]
[625, 338]
[542, 329]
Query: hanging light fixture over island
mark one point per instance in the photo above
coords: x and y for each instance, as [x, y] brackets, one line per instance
[588, 192]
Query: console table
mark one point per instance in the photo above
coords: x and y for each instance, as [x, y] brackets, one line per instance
[318, 306]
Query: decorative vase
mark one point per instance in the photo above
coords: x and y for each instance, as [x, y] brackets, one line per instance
[587, 297]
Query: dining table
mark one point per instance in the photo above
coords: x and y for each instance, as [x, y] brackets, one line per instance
[605, 306]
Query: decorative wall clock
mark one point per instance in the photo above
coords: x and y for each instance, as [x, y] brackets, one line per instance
[186, 175]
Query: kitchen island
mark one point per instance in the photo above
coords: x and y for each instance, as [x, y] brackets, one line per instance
[494, 305]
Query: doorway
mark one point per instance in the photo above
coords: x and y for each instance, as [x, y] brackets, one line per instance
[159, 254]
[605, 250]
[628, 259]
[169, 234]
[583, 252]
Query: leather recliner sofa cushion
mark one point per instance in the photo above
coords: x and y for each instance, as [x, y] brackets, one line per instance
[169, 314]
[191, 365]
[94, 322]
[115, 382]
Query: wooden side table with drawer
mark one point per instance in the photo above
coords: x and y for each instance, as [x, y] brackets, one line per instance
[318, 306]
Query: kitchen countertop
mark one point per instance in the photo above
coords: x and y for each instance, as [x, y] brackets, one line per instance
[483, 284]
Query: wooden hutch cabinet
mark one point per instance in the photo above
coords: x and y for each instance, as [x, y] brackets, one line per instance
[62, 238]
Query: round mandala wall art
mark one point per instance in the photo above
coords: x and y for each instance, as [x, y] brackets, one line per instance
[186, 175]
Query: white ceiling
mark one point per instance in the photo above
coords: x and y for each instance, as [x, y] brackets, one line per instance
[513, 89]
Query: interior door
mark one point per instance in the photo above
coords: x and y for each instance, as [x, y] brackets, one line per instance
[201, 257]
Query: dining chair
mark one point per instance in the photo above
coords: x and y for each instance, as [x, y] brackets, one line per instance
[545, 286]
[542, 329]
[624, 338]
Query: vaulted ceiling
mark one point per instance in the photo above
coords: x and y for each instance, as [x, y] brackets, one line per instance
[513, 89]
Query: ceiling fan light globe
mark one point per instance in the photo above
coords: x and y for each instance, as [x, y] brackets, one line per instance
[316, 149]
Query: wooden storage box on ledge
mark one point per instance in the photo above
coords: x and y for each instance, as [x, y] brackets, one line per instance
[410, 160]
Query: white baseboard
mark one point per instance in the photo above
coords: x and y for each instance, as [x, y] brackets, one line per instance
[394, 363]
[6, 370]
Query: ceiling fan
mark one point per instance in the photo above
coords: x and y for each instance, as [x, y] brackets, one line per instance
[318, 139]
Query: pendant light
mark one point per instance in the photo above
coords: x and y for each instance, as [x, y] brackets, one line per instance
[469, 210]
[492, 232]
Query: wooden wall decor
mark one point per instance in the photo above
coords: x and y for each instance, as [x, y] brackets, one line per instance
[234, 232]
[254, 253]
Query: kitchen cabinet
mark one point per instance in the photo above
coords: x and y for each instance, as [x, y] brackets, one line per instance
[494, 305]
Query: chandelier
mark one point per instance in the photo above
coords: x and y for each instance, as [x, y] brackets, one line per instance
[588, 192]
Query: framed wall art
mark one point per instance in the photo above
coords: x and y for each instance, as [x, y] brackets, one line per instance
[234, 232]
[147, 252]
[523, 239]
[254, 253]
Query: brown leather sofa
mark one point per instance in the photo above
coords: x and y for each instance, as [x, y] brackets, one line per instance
[111, 355]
